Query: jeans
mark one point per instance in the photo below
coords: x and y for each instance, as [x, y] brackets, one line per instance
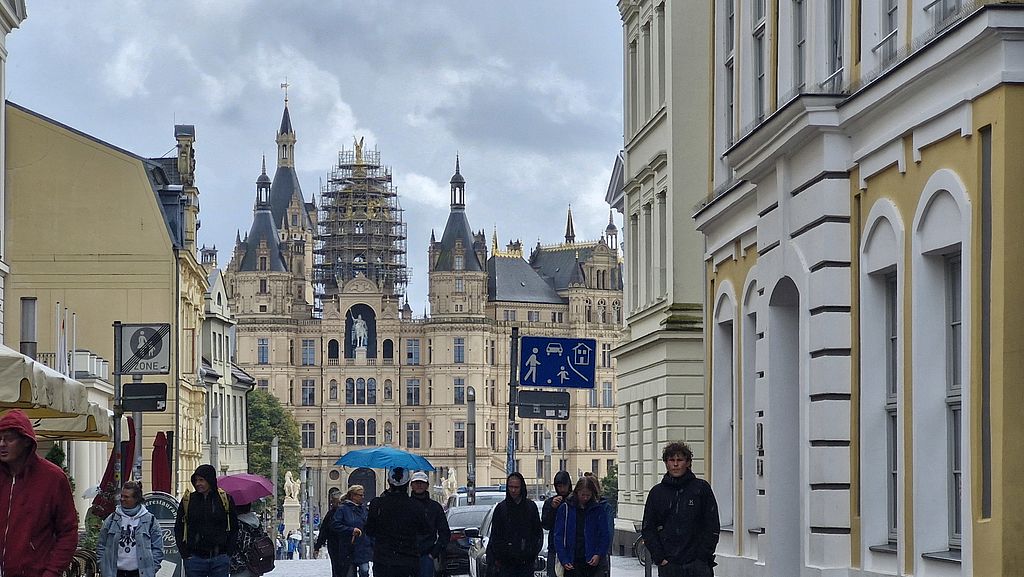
[426, 566]
[362, 570]
[217, 566]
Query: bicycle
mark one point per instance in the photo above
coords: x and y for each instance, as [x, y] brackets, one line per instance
[643, 556]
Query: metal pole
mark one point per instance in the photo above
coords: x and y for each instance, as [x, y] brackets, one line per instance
[471, 445]
[137, 417]
[117, 404]
[273, 479]
[548, 474]
[513, 394]
[214, 427]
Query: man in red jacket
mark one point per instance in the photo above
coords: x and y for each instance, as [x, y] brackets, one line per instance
[38, 521]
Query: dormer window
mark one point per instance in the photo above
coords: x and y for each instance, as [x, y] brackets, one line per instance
[263, 263]
[295, 219]
[460, 262]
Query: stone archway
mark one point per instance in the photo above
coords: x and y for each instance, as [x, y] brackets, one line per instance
[367, 478]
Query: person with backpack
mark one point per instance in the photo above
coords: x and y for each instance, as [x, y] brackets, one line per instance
[563, 487]
[131, 542]
[253, 553]
[205, 526]
[582, 531]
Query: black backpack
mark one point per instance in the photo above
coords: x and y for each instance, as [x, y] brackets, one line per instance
[259, 555]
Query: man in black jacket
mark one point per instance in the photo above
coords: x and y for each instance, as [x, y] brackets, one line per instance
[205, 526]
[516, 534]
[327, 536]
[395, 522]
[680, 526]
[563, 486]
[433, 543]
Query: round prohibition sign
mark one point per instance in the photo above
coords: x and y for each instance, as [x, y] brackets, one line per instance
[146, 343]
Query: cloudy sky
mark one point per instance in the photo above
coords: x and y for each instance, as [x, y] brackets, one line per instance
[528, 92]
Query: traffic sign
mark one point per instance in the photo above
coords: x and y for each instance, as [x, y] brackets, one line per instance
[543, 404]
[144, 397]
[145, 349]
[556, 362]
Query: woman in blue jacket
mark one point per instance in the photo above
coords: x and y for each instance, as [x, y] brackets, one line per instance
[348, 523]
[582, 536]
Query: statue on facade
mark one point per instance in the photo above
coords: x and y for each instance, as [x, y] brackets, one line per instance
[291, 486]
[450, 485]
[359, 332]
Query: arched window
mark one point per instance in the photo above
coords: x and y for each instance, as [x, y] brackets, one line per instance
[350, 392]
[332, 390]
[387, 432]
[332, 350]
[371, 432]
[334, 433]
[617, 307]
[360, 432]
[360, 392]
[350, 432]
[589, 311]
[389, 349]
[371, 391]
[388, 389]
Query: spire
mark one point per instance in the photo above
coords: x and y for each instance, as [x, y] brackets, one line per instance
[570, 232]
[286, 136]
[458, 187]
[494, 240]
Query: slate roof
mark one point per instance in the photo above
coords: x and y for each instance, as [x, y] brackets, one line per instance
[560, 264]
[262, 229]
[456, 228]
[285, 187]
[510, 278]
[286, 122]
[238, 375]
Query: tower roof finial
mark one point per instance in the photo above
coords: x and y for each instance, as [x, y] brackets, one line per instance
[570, 231]
[285, 86]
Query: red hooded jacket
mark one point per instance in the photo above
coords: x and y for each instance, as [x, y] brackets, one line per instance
[38, 521]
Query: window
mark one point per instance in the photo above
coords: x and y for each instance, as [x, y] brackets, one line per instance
[493, 354]
[359, 227]
[492, 392]
[606, 437]
[460, 434]
[516, 442]
[595, 467]
[730, 90]
[308, 435]
[430, 434]
[460, 285]
[371, 391]
[350, 392]
[606, 355]
[800, 44]
[460, 391]
[412, 392]
[360, 391]
[412, 351]
[332, 390]
[263, 263]
[430, 351]
[886, 48]
[592, 436]
[263, 384]
[308, 352]
[510, 314]
[943, 11]
[540, 469]
[589, 309]
[460, 350]
[334, 433]
[360, 432]
[371, 432]
[561, 438]
[592, 397]
[538, 436]
[263, 286]
[308, 392]
[607, 399]
[492, 435]
[263, 351]
[350, 432]
[954, 350]
[412, 435]
[533, 316]
[759, 60]
[556, 317]
[460, 262]
[834, 57]
[891, 376]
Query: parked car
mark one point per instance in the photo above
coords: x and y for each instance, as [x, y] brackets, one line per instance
[478, 550]
[461, 499]
[461, 519]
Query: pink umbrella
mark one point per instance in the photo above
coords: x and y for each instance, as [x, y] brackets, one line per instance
[246, 487]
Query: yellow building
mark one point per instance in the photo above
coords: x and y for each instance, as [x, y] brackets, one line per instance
[111, 236]
[861, 258]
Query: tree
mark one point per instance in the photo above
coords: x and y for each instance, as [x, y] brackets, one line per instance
[610, 487]
[268, 418]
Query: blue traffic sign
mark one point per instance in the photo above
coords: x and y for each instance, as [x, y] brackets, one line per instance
[555, 362]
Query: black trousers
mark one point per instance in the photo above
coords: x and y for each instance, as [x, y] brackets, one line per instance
[694, 568]
[384, 570]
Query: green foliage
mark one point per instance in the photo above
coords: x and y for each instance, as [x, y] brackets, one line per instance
[56, 456]
[268, 418]
[610, 487]
[92, 532]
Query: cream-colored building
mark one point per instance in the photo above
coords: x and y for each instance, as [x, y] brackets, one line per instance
[357, 370]
[862, 260]
[665, 171]
[12, 13]
[112, 240]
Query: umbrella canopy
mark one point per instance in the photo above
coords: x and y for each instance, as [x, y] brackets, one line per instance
[161, 467]
[246, 487]
[384, 458]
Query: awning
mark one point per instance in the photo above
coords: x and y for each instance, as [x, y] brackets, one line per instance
[57, 405]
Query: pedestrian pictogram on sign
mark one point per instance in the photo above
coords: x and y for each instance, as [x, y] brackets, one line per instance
[145, 349]
[557, 362]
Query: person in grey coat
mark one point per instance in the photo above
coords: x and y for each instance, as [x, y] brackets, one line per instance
[131, 543]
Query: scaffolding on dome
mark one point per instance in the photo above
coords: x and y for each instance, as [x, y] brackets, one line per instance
[360, 226]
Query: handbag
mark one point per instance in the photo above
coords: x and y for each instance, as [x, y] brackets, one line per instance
[559, 568]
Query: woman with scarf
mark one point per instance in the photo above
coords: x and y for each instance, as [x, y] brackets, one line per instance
[582, 536]
[131, 543]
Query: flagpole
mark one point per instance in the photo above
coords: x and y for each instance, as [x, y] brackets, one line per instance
[56, 337]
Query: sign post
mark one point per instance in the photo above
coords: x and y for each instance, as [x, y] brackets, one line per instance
[139, 349]
[513, 389]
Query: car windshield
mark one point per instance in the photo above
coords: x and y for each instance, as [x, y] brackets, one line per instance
[472, 518]
[489, 499]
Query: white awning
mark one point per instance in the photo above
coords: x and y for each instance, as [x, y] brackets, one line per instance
[58, 406]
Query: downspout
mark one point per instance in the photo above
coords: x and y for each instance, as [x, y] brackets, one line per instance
[177, 371]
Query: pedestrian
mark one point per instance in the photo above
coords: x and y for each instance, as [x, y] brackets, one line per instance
[205, 526]
[323, 534]
[433, 543]
[279, 544]
[37, 510]
[249, 530]
[131, 542]
[516, 533]
[350, 527]
[295, 545]
[582, 531]
[563, 486]
[394, 522]
[680, 525]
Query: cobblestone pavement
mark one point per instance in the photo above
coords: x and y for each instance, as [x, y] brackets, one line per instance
[621, 567]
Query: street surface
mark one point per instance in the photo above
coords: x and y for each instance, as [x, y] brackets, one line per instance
[621, 567]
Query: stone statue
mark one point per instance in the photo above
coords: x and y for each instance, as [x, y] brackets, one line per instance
[291, 486]
[359, 332]
[451, 484]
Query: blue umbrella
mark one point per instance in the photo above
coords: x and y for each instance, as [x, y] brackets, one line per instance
[384, 458]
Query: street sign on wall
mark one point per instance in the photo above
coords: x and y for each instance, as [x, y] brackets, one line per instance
[145, 349]
[543, 404]
[557, 362]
